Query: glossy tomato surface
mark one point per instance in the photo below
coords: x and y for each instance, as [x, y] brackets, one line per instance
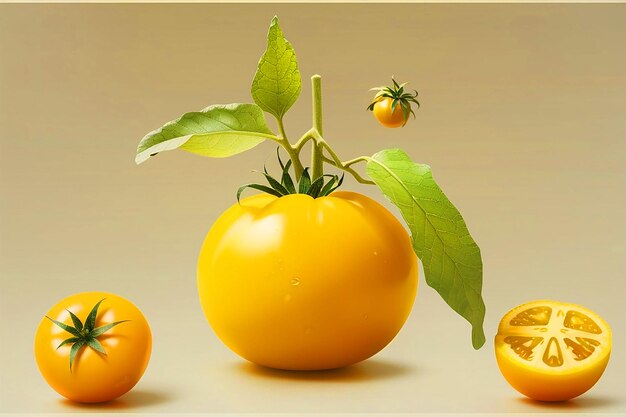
[386, 116]
[94, 377]
[307, 284]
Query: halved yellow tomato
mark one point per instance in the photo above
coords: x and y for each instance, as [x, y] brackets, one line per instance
[552, 351]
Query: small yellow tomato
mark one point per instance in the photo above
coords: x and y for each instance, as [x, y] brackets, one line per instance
[307, 284]
[392, 104]
[552, 351]
[89, 371]
[388, 117]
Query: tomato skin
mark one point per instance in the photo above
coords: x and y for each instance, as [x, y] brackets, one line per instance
[549, 387]
[307, 284]
[94, 377]
[382, 112]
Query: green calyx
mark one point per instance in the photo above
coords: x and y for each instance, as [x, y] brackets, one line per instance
[84, 334]
[319, 187]
[399, 96]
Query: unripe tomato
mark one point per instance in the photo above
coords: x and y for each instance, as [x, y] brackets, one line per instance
[307, 284]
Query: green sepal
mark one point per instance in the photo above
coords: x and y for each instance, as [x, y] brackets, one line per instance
[100, 330]
[75, 348]
[90, 323]
[316, 187]
[66, 341]
[274, 183]
[305, 182]
[260, 187]
[78, 325]
[95, 345]
[84, 334]
[65, 327]
[331, 186]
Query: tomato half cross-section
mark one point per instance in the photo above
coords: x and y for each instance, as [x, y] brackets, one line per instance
[93, 346]
[307, 284]
[552, 351]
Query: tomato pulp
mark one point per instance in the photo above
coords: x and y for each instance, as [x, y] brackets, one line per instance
[307, 284]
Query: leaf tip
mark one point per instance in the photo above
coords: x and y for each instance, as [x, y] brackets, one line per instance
[478, 337]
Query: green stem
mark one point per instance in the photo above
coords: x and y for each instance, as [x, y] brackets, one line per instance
[281, 128]
[292, 151]
[346, 166]
[317, 163]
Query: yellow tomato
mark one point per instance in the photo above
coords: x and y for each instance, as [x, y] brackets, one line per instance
[387, 117]
[552, 351]
[302, 284]
[94, 376]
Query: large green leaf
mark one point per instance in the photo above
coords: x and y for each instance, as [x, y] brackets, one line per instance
[451, 258]
[277, 83]
[217, 131]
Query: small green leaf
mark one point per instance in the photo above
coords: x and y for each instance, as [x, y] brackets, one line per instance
[100, 330]
[75, 348]
[441, 240]
[218, 131]
[90, 322]
[70, 340]
[277, 83]
[78, 325]
[95, 345]
[65, 327]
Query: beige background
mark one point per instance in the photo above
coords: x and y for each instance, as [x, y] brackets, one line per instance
[523, 120]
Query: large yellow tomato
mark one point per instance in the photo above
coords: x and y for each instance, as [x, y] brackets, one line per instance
[552, 351]
[94, 376]
[306, 284]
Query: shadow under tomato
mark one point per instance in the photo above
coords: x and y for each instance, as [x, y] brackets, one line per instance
[581, 403]
[133, 399]
[372, 369]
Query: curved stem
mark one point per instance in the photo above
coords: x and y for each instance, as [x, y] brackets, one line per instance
[281, 128]
[293, 152]
[317, 164]
[304, 139]
[346, 166]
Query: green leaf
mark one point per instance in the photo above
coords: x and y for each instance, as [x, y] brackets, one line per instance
[75, 348]
[65, 327]
[277, 83]
[218, 131]
[451, 259]
[100, 330]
